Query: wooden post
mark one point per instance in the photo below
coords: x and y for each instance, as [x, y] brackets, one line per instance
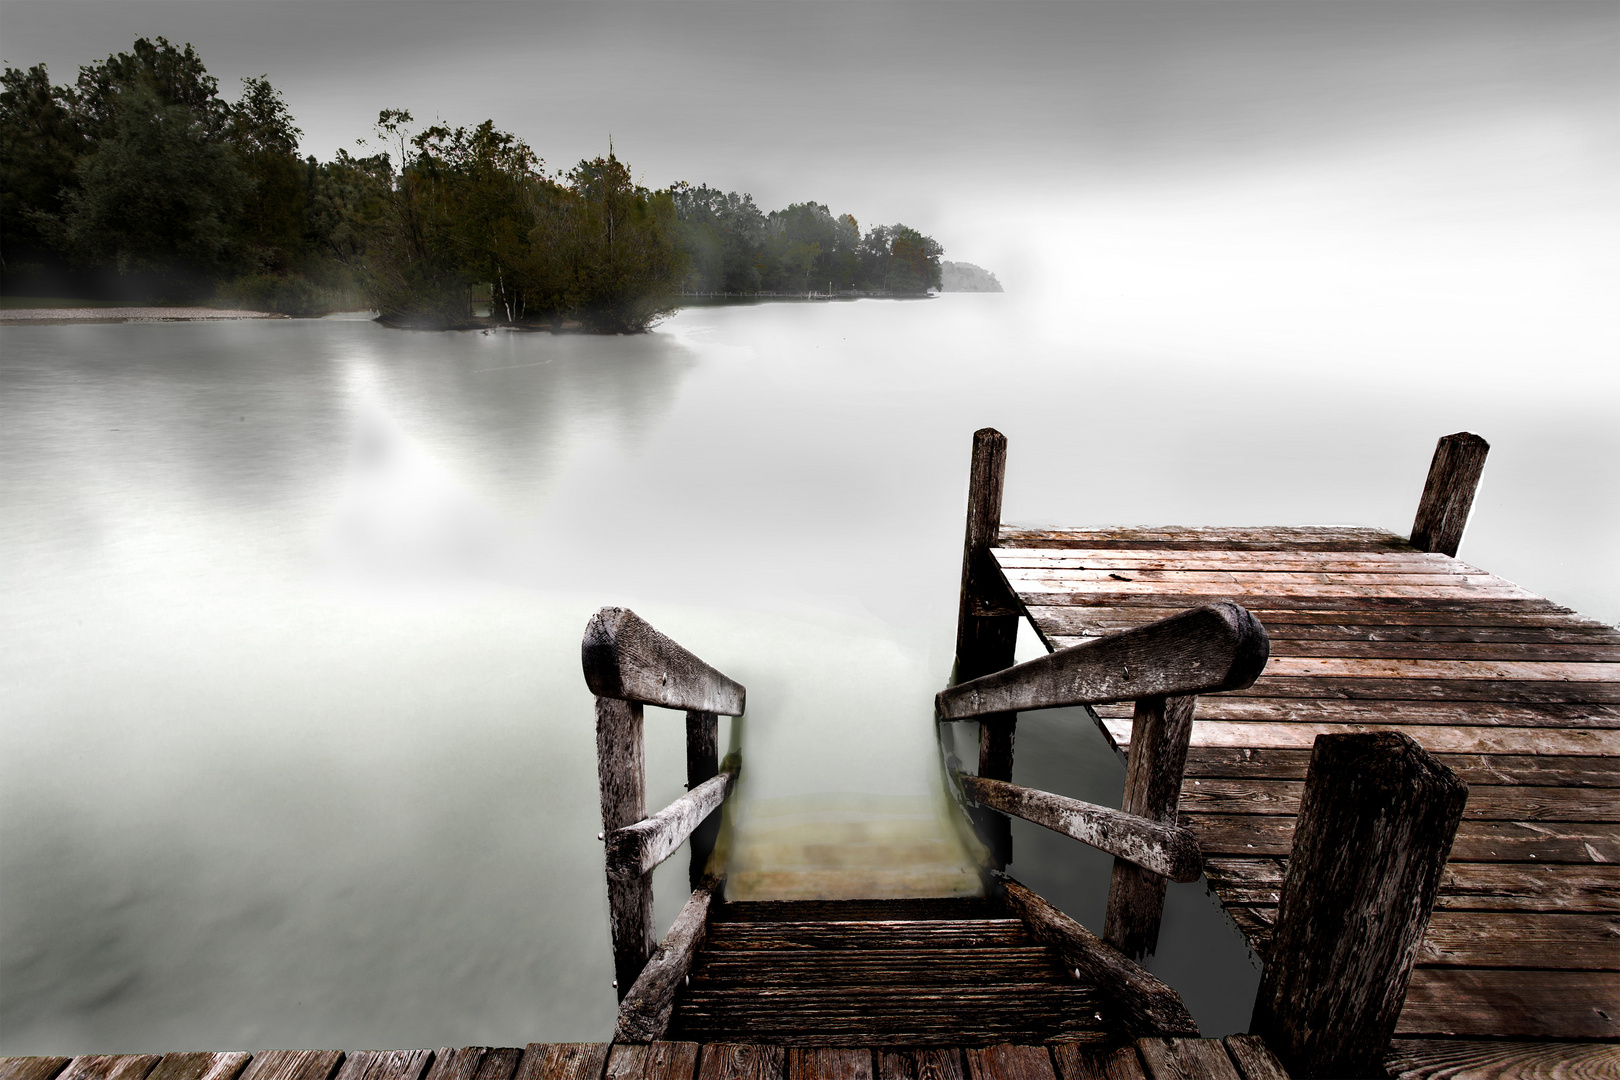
[987, 622]
[702, 763]
[1160, 732]
[1376, 822]
[621, 772]
[1448, 494]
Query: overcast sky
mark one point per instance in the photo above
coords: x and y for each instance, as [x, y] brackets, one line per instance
[1004, 130]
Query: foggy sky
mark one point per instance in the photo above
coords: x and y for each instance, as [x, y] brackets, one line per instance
[978, 123]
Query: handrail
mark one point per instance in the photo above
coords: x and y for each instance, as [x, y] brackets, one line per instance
[626, 659]
[636, 849]
[645, 1011]
[1204, 650]
[628, 664]
[1168, 850]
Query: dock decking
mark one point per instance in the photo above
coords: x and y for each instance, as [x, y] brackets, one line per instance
[1519, 696]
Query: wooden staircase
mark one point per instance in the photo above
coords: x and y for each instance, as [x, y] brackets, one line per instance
[964, 972]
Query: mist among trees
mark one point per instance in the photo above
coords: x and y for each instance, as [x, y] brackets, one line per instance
[140, 182]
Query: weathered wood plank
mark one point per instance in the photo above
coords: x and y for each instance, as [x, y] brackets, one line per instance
[1486, 802]
[1221, 537]
[1214, 647]
[1266, 605]
[740, 1061]
[1147, 1005]
[456, 1064]
[1375, 827]
[828, 1063]
[621, 776]
[1254, 1058]
[1514, 652]
[1528, 691]
[1283, 560]
[893, 934]
[294, 1065]
[1448, 493]
[937, 1064]
[1477, 841]
[1056, 585]
[1152, 790]
[1009, 1062]
[1530, 770]
[653, 1061]
[1466, 886]
[1484, 1002]
[563, 1061]
[1390, 668]
[1082, 1063]
[499, 1063]
[1560, 742]
[1402, 713]
[1186, 1059]
[1163, 849]
[645, 1011]
[626, 659]
[1547, 940]
[31, 1068]
[385, 1065]
[200, 1066]
[1453, 1059]
[1460, 622]
[636, 849]
[109, 1067]
[987, 617]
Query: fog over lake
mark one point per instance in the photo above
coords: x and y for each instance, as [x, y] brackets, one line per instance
[294, 744]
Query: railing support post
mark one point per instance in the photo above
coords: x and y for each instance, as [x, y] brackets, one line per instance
[1160, 732]
[702, 763]
[621, 773]
[1376, 823]
[1448, 494]
[987, 621]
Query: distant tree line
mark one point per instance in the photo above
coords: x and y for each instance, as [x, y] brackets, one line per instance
[140, 182]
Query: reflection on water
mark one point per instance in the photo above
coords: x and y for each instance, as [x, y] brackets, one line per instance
[294, 746]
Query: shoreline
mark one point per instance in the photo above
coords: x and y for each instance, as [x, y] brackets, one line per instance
[38, 316]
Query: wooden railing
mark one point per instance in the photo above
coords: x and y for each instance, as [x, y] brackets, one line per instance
[1162, 667]
[628, 664]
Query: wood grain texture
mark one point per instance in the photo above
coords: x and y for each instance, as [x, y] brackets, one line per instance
[937, 1064]
[1163, 849]
[31, 1068]
[636, 849]
[741, 1061]
[653, 1061]
[1146, 1005]
[1082, 1063]
[1516, 1003]
[563, 1061]
[499, 1063]
[1007, 1061]
[645, 1011]
[1448, 493]
[1153, 772]
[109, 1067]
[385, 1065]
[1186, 1059]
[200, 1066]
[622, 779]
[450, 1063]
[1375, 827]
[1453, 1059]
[627, 659]
[1209, 648]
[294, 1065]
[828, 1063]
[1253, 1058]
[987, 612]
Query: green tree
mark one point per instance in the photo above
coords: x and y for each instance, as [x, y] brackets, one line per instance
[39, 147]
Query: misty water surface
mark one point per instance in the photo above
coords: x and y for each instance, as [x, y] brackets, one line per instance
[295, 749]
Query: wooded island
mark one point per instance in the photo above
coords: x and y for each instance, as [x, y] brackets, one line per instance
[139, 182]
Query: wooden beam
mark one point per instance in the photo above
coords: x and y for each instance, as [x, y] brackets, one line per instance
[702, 764]
[1376, 823]
[1448, 493]
[1161, 730]
[635, 849]
[627, 659]
[621, 774]
[987, 623]
[1163, 849]
[645, 1011]
[1149, 1006]
[1207, 649]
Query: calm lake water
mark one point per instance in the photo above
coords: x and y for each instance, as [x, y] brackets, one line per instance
[294, 745]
